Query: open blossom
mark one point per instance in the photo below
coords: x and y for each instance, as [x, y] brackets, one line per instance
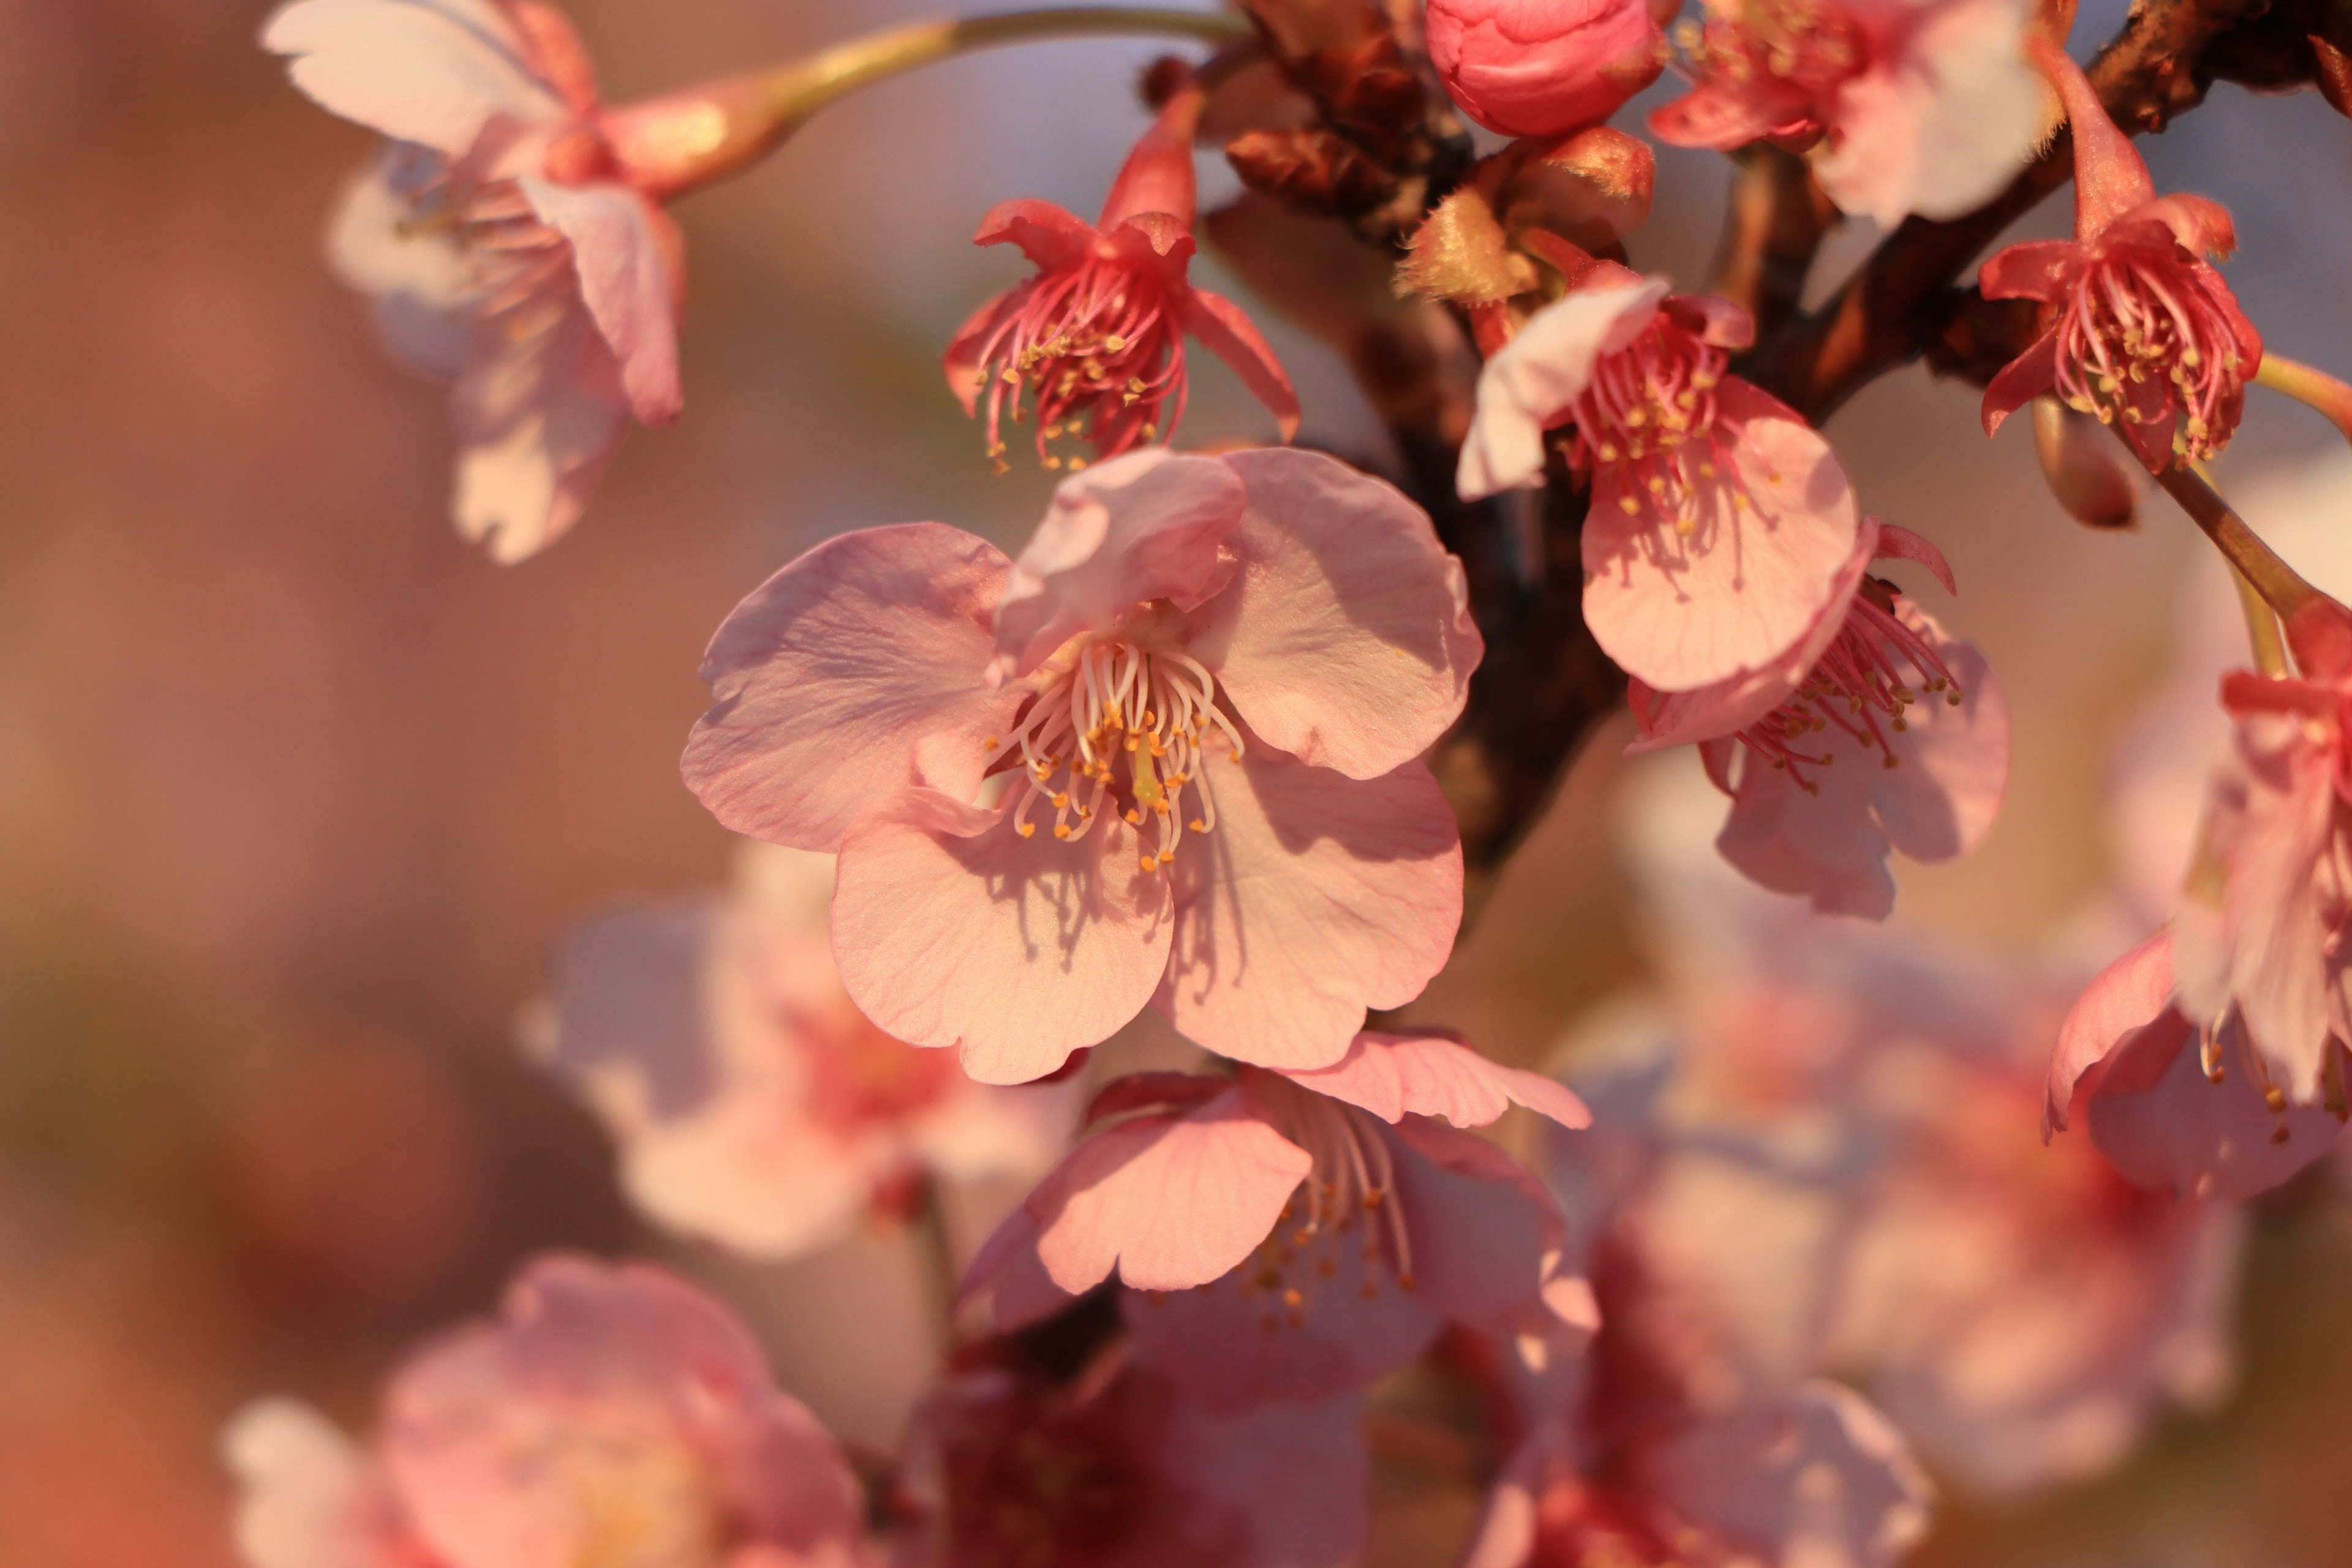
[1092, 348]
[1913, 106]
[2143, 333]
[1720, 521]
[2174, 1105]
[1875, 733]
[511, 235]
[1167, 758]
[753, 1104]
[1543, 67]
[610, 1414]
[1008, 1466]
[1295, 1234]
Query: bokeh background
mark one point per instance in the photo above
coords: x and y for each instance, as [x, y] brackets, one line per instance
[296, 790]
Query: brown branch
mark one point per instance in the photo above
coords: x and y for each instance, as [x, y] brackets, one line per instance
[1778, 218]
[2157, 68]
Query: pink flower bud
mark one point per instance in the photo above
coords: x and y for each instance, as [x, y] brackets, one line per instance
[1543, 67]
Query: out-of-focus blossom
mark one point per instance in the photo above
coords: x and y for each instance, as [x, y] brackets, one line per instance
[1296, 1235]
[1918, 106]
[2204, 1122]
[753, 1104]
[1720, 522]
[1095, 342]
[510, 233]
[1255, 649]
[2144, 333]
[1543, 67]
[1914, 716]
[611, 1415]
[1833, 1141]
[1007, 1467]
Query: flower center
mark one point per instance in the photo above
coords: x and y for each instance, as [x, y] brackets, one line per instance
[521, 269]
[1802, 44]
[1650, 410]
[1857, 686]
[1344, 1227]
[1121, 727]
[635, 1503]
[1097, 351]
[2142, 339]
[859, 1077]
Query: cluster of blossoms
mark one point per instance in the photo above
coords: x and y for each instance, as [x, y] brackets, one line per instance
[1175, 756]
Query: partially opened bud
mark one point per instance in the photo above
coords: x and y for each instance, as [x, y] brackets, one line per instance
[1543, 67]
[2084, 468]
[1461, 253]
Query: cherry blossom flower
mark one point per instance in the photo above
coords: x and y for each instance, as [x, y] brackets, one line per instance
[1296, 1234]
[2143, 334]
[510, 234]
[1913, 106]
[1216, 674]
[1543, 67]
[2206, 1123]
[609, 1414]
[1915, 716]
[1720, 521]
[753, 1104]
[1093, 346]
[1010, 1466]
[1613, 1460]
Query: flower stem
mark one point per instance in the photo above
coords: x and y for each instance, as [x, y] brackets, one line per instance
[2318, 629]
[2309, 386]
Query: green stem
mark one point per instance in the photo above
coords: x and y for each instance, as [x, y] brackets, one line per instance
[2307, 615]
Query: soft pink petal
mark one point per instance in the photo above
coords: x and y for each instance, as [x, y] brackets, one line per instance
[1225, 330]
[1487, 1239]
[1725, 707]
[2021, 380]
[1528, 384]
[1052, 237]
[1345, 638]
[538, 420]
[1147, 525]
[1715, 319]
[435, 72]
[423, 288]
[1432, 1075]
[1299, 1477]
[309, 1497]
[1166, 1202]
[1901, 544]
[1942, 798]
[1819, 1476]
[951, 929]
[1685, 611]
[622, 247]
[967, 373]
[1315, 896]
[1006, 1286]
[848, 676]
[2031, 269]
[2163, 1123]
[2129, 994]
[1725, 115]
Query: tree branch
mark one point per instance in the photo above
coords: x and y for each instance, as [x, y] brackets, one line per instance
[1778, 218]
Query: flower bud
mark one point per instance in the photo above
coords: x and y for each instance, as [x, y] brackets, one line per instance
[1543, 67]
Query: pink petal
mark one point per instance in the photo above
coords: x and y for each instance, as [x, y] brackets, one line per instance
[1942, 799]
[2162, 1123]
[556, 56]
[1902, 544]
[1487, 1239]
[425, 290]
[951, 929]
[2021, 380]
[623, 248]
[1226, 331]
[1345, 638]
[848, 676]
[1054, 237]
[307, 1496]
[1528, 384]
[1149, 525]
[1299, 1477]
[1819, 1476]
[435, 72]
[1686, 611]
[1166, 1202]
[1727, 707]
[2032, 269]
[1315, 896]
[967, 374]
[537, 419]
[2201, 225]
[1720, 115]
[1006, 1286]
[1715, 319]
[2128, 995]
[1432, 1075]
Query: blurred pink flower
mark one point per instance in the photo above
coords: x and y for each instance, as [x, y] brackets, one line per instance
[1922, 774]
[1719, 522]
[2144, 333]
[2204, 1122]
[510, 234]
[612, 1414]
[1918, 106]
[1007, 1467]
[1256, 647]
[1098, 336]
[753, 1104]
[1299, 1234]
[1543, 67]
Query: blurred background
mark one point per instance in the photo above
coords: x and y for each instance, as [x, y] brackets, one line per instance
[297, 789]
